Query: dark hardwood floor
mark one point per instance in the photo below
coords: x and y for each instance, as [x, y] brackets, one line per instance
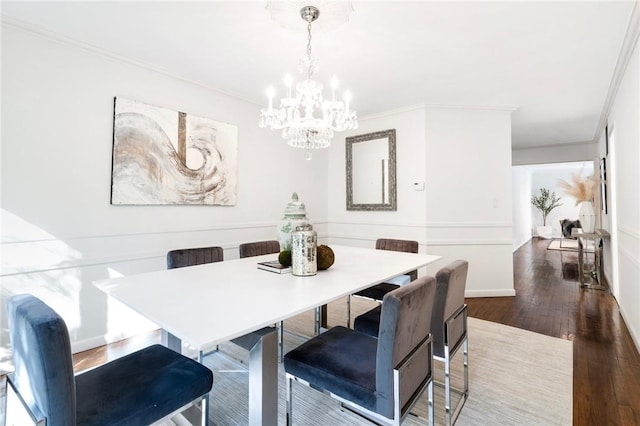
[606, 364]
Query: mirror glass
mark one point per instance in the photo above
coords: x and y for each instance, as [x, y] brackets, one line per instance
[371, 171]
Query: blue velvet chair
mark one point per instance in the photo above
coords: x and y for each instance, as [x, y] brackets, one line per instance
[378, 291]
[379, 378]
[448, 326]
[137, 389]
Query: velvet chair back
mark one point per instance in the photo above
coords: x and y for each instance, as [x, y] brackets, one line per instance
[405, 321]
[194, 256]
[451, 284]
[259, 248]
[399, 245]
[42, 358]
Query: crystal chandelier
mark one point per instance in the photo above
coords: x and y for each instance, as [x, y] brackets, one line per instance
[301, 129]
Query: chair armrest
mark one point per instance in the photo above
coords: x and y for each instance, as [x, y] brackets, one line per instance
[412, 399]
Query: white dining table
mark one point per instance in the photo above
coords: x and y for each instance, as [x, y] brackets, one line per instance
[208, 304]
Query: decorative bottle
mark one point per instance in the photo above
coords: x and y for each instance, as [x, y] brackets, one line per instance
[304, 251]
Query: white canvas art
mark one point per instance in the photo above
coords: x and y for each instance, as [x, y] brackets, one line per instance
[168, 157]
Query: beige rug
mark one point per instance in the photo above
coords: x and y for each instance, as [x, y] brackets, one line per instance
[516, 377]
[569, 245]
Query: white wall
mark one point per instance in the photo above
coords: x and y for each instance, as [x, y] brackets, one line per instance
[624, 214]
[468, 169]
[59, 232]
[464, 157]
[521, 195]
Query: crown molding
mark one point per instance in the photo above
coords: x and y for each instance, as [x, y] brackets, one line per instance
[36, 30]
[553, 145]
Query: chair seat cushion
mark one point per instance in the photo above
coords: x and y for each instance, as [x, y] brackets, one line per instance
[140, 388]
[378, 291]
[341, 361]
[369, 322]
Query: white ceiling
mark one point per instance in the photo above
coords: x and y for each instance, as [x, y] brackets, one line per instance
[553, 61]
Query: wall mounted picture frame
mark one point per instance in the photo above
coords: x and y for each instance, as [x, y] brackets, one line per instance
[603, 185]
[164, 157]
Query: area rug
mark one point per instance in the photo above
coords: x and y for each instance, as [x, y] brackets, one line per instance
[517, 377]
[569, 245]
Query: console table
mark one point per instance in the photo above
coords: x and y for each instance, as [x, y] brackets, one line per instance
[596, 271]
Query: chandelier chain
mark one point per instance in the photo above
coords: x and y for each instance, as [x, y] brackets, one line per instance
[309, 69]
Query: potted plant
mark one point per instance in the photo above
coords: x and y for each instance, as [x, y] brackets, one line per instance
[545, 202]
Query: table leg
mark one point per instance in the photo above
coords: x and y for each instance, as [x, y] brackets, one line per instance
[581, 262]
[320, 319]
[263, 380]
[171, 341]
[323, 318]
[597, 260]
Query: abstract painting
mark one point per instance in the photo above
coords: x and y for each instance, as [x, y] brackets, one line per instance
[168, 157]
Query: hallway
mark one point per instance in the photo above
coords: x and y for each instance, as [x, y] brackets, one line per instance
[606, 363]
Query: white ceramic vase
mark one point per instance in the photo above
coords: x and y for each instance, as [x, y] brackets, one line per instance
[295, 215]
[587, 216]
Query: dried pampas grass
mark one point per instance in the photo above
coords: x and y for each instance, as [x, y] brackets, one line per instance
[581, 188]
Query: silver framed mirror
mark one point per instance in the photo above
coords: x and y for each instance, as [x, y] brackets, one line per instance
[371, 171]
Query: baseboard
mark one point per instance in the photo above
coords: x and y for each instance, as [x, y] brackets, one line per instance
[632, 330]
[521, 245]
[490, 293]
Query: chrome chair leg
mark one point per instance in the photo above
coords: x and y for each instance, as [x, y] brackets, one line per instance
[289, 414]
[280, 326]
[465, 361]
[431, 407]
[204, 420]
[447, 386]
[349, 311]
